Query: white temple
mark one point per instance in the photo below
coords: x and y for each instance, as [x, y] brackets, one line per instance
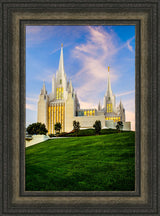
[62, 105]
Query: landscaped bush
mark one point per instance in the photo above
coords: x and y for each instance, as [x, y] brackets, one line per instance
[37, 128]
[108, 131]
[51, 135]
[88, 132]
[97, 126]
[63, 134]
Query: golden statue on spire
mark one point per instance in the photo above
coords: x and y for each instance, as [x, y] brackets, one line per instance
[108, 68]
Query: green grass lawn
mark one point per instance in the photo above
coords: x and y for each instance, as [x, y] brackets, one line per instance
[92, 163]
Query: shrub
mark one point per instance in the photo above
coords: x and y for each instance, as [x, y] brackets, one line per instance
[119, 126]
[57, 127]
[37, 128]
[51, 135]
[76, 126]
[63, 134]
[97, 126]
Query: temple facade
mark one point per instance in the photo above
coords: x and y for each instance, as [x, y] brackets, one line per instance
[62, 105]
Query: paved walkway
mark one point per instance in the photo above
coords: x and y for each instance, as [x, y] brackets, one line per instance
[37, 141]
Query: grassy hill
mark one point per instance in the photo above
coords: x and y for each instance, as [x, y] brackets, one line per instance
[92, 163]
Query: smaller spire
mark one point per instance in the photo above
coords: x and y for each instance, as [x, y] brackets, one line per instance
[43, 90]
[44, 86]
[70, 86]
[120, 104]
[99, 106]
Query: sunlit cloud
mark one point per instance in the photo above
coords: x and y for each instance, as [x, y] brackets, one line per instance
[55, 50]
[37, 34]
[94, 56]
[125, 93]
[32, 107]
[129, 45]
[31, 99]
[59, 48]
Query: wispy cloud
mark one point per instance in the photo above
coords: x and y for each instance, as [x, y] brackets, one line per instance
[32, 107]
[129, 45]
[37, 34]
[95, 55]
[125, 93]
[31, 102]
[59, 48]
[55, 50]
[31, 99]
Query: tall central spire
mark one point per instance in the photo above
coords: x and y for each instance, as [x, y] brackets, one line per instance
[109, 90]
[61, 62]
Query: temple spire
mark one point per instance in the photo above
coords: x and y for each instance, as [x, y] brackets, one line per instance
[61, 62]
[99, 106]
[120, 104]
[109, 91]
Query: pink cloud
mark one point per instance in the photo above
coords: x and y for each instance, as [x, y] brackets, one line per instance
[94, 57]
[32, 107]
[32, 99]
[125, 93]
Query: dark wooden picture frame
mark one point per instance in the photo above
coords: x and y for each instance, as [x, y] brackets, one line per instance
[14, 16]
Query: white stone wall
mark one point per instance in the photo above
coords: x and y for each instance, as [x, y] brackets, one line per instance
[69, 113]
[88, 121]
[110, 124]
[126, 125]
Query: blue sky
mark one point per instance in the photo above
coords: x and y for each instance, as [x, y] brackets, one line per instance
[88, 51]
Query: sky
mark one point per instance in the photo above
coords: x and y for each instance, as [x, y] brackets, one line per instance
[88, 51]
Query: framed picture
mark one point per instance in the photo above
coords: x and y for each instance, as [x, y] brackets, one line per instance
[88, 162]
[18, 21]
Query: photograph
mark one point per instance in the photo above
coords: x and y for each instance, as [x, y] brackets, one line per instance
[80, 108]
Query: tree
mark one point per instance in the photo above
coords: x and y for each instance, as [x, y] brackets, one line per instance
[97, 126]
[119, 126]
[37, 128]
[76, 126]
[57, 127]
